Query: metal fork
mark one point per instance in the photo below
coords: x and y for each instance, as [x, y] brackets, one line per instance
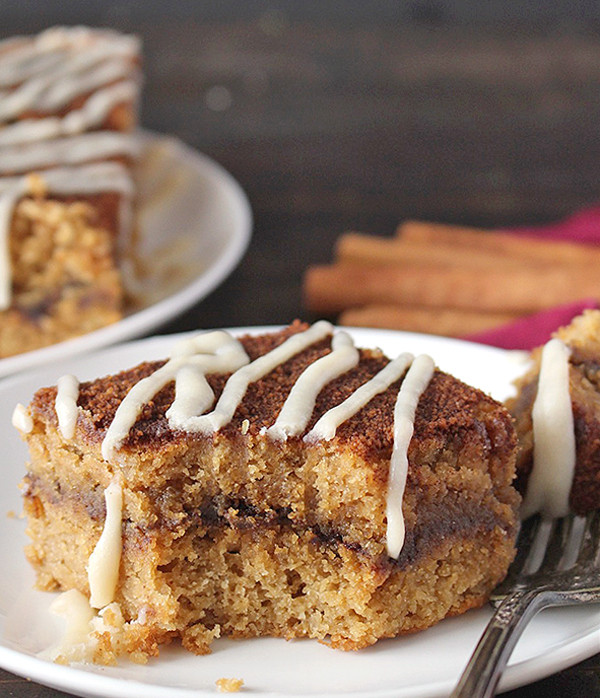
[557, 564]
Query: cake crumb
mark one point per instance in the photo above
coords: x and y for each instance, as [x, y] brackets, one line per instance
[229, 685]
[10, 514]
[36, 185]
[245, 426]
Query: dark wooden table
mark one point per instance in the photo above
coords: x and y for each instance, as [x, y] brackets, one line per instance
[355, 115]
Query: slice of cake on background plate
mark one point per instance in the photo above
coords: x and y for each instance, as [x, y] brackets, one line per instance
[284, 484]
[68, 107]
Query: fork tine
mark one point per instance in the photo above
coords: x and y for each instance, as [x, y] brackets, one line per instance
[538, 578]
[539, 546]
[525, 539]
[557, 546]
[573, 544]
[590, 548]
[526, 535]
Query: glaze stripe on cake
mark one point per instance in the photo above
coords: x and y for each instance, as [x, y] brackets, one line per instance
[92, 114]
[554, 454]
[46, 72]
[236, 386]
[210, 352]
[327, 425]
[103, 565]
[67, 392]
[21, 419]
[299, 406]
[416, 380]
[76, 150]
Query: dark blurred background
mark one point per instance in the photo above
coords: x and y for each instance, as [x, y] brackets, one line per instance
[356, 115]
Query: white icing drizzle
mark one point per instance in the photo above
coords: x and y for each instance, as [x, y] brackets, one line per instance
[22, 57]
[53, 92]
[75, 150]
[74, 607]
[86, 630]
[300, 403]
[8, 201]
[413, 386]
[93, 113]
[103, 564]
[326, 426]
[92, 178]
[66, 405]
[554, 454]
[130, 407]
[220, 353]
[238, 383]
[21, 419]
[205, 353]
[50, 70]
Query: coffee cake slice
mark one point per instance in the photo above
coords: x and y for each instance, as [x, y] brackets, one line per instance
[556, 412]
[284, 484]
[68, 108]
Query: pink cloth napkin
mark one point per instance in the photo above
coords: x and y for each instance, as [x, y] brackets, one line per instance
[581, 226]
[534, 330]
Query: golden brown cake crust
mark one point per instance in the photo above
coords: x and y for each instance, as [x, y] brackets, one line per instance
[446, 406]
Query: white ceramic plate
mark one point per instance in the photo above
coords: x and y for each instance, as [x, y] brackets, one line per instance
[194, 226]
[425, 664]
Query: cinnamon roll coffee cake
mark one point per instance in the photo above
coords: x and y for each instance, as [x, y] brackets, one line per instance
[284, 484]
[68, 103]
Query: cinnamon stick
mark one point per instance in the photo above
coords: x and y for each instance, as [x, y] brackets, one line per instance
[449, 322]
[330, 289]
[358, 248]
[502, 245]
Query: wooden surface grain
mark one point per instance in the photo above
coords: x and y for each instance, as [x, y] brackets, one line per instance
[352, 115]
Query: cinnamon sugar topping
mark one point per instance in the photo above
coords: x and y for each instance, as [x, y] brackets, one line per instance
[209, 352]
[299, 406]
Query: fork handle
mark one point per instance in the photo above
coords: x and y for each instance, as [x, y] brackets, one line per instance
[481, 676]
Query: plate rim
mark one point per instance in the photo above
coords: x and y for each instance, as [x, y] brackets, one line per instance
[79, 680]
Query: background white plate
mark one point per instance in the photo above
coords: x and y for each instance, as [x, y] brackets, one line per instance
[425, 664]
[194, 226]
